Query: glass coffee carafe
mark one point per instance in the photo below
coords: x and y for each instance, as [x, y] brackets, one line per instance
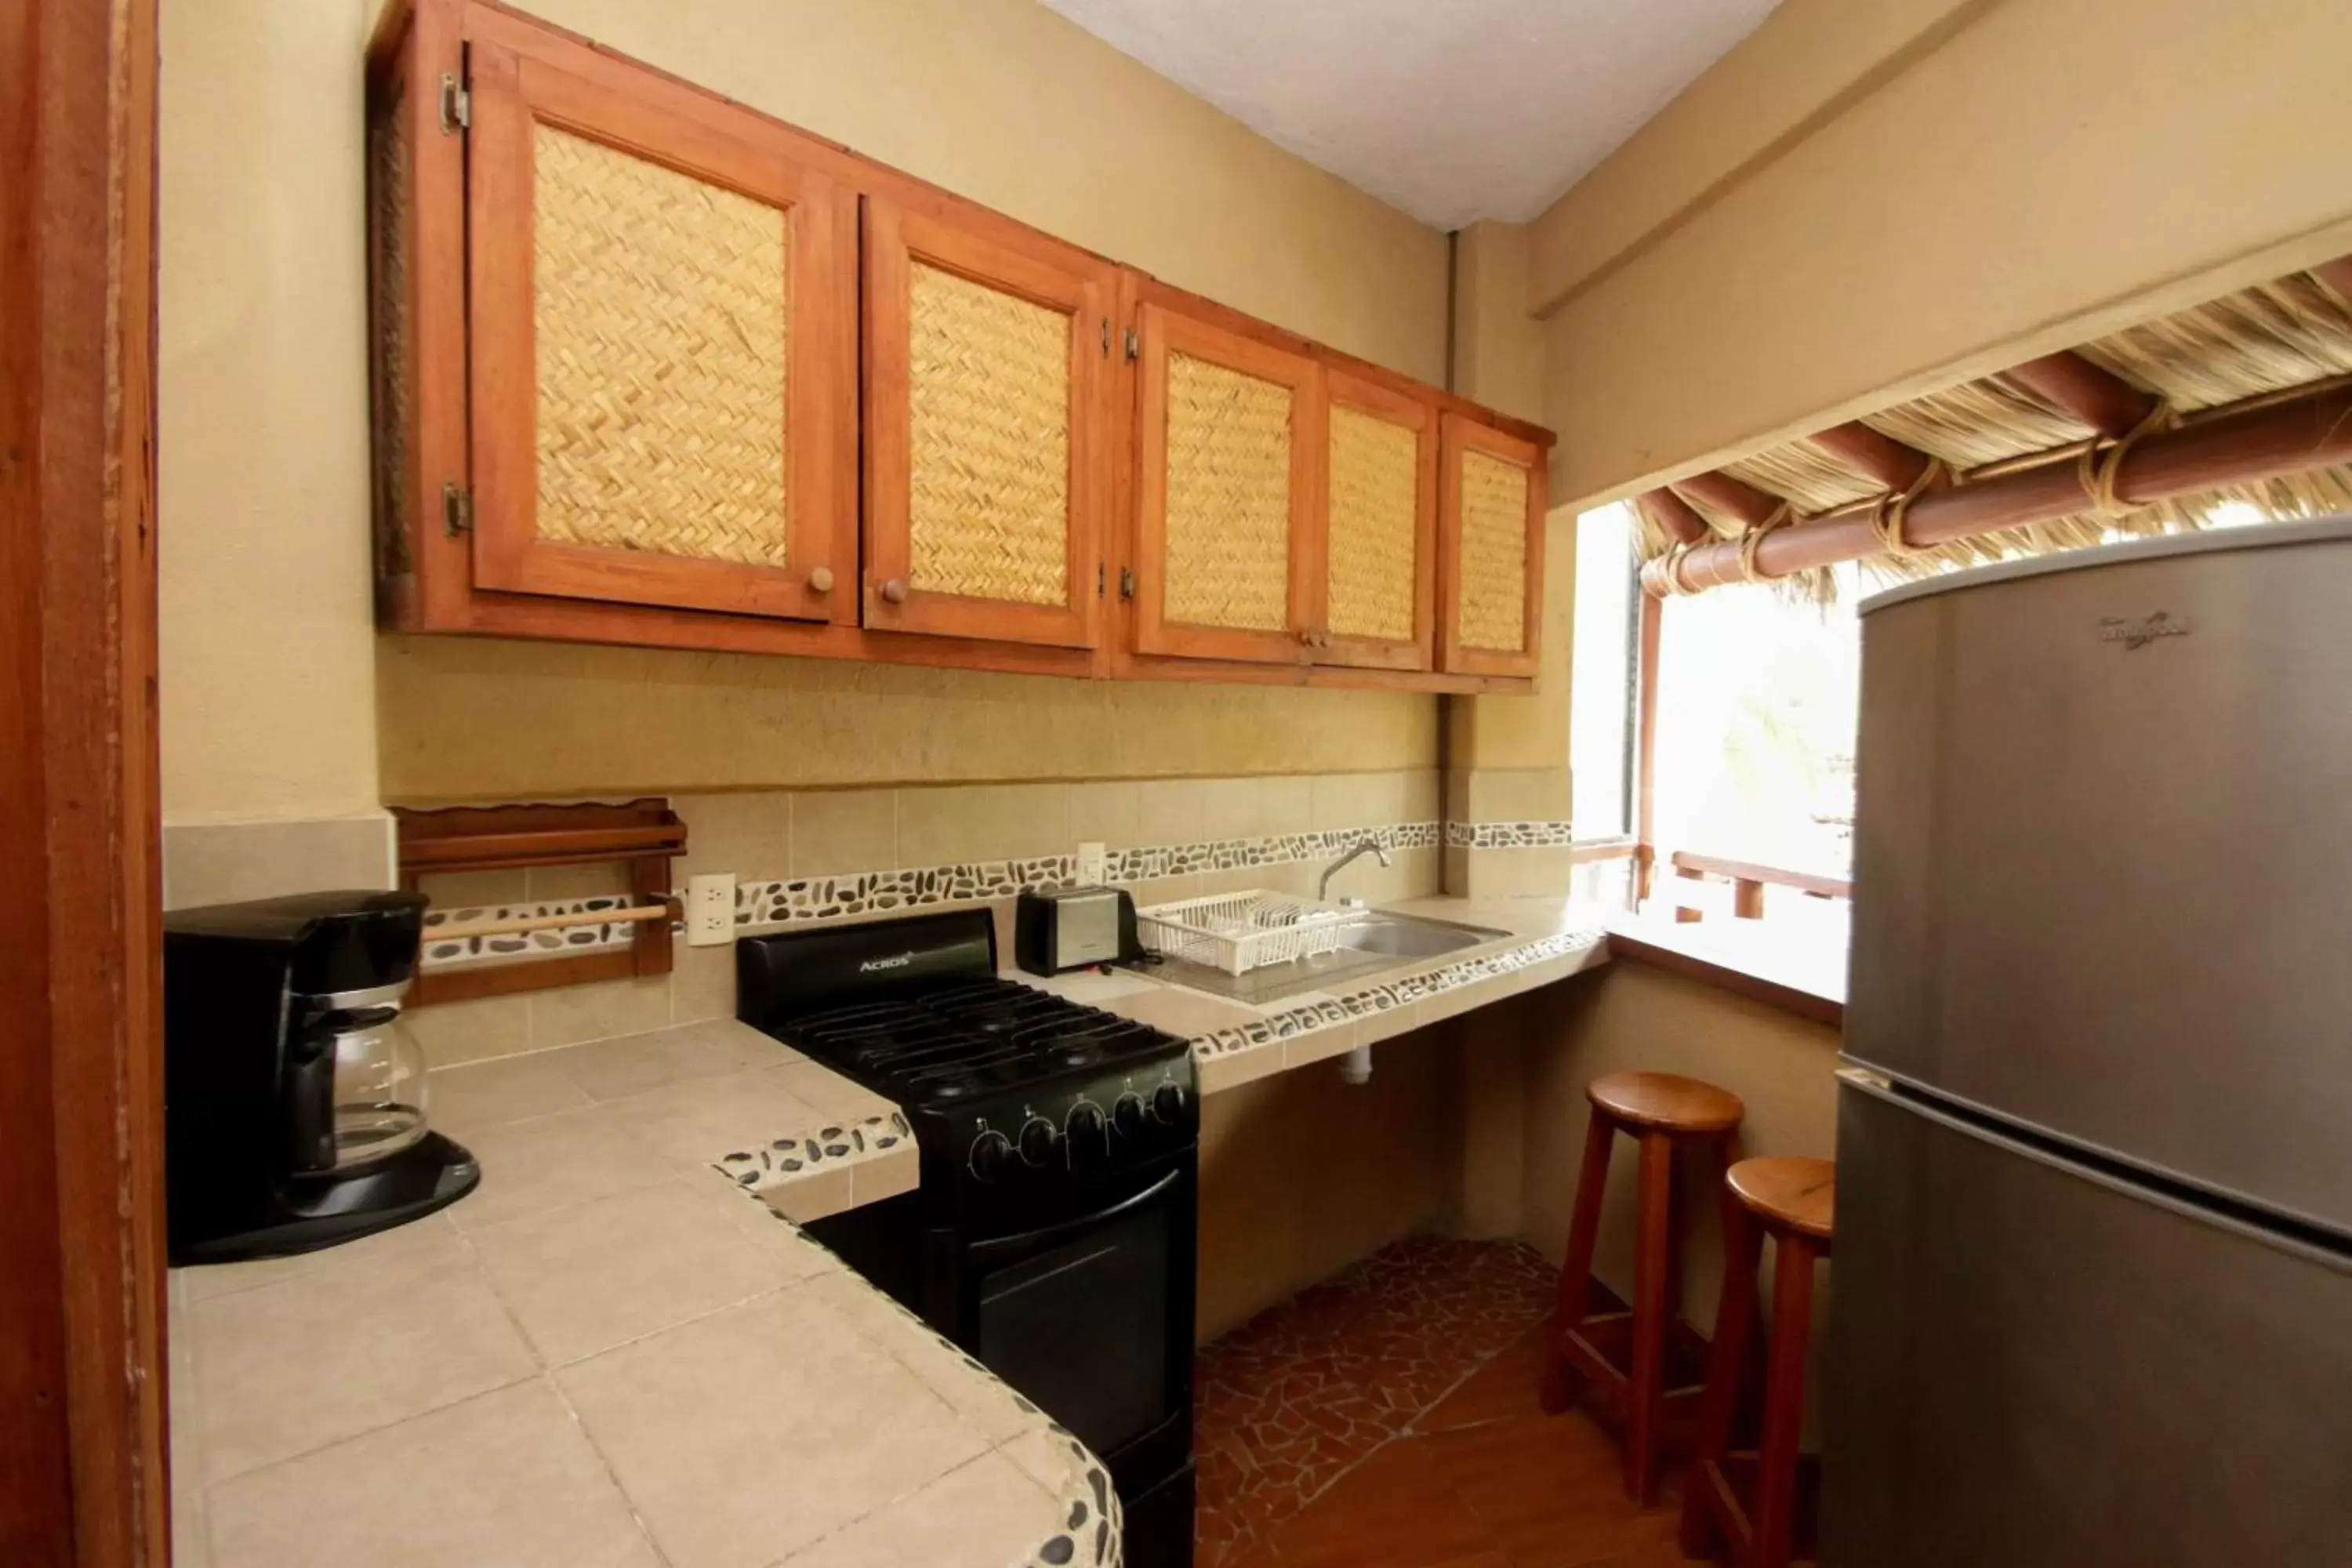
[378, 1086]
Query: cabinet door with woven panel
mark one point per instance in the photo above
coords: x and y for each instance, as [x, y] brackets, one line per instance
[988, 435]
[1490, 528]
[1229, 471]
[663, 376]
[1379, 528]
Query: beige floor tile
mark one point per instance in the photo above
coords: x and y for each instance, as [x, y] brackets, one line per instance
[1185, 1014]
[835, 831]
[992, 1408]
[831, 1094]
[479, 1095]
[591, 1276]
[383, 1250]
[1104, 813]
[1232, 808]
[957, 824]
[1168, 811]
[599, 1010]
[694, 1125]
[745, 1436]
[900, 1171]
[286, 1368]
[987, 1511]
[810, 1195]
[633, 1064]
[505, 1478]
[1288, 804]
[1234, 1068]
[191, 1534]
[449, 1033]
[701, 983]
[552, 1161]
[745, 834]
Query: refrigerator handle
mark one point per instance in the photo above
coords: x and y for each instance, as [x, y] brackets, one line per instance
[1861, 1080]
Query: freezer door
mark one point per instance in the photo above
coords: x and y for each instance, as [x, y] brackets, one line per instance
[2035, 1366]
[2104, 861]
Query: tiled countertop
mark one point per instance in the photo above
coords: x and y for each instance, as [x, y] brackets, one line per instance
[608, 1356]
[841, 1159]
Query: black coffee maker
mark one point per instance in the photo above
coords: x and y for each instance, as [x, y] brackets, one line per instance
[293, 1103]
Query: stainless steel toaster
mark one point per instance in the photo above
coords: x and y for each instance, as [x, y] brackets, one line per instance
[1061, 929]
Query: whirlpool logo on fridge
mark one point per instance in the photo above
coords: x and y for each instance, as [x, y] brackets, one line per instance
[2137, 634]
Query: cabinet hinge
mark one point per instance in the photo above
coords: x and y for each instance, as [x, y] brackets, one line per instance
[1126, 582]
[1106, 337]
[457, 509]
[1102, 576]
[1134, 344]
[456, 105]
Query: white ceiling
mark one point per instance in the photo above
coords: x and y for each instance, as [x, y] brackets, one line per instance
[1452, 110]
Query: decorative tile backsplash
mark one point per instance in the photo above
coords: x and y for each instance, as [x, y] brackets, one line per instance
[461, 953]
[797, 900]
[1508, 834]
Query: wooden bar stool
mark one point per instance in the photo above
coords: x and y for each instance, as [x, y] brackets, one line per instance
[1755, 1501]
[1631, 1358]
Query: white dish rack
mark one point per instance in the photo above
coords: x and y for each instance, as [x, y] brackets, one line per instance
[1240, 931]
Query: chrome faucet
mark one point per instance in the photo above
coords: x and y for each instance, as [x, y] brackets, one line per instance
[1357, 851]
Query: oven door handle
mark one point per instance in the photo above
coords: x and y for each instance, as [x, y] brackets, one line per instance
[1040, 1239]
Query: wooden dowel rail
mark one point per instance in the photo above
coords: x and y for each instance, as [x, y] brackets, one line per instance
[521, 924]
[1748, 880]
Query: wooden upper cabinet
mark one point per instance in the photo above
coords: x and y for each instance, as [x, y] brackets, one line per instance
[663, 382]
[989, 446]
[1379, 539]
[1491, 544]
[1229, 469]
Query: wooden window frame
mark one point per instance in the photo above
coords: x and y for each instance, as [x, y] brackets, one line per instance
[1419, 653]
[1163, 331]
[1461, 436]
[1057, 277]
[512, 93]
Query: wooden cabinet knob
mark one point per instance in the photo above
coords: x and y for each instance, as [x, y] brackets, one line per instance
[895, 591]
[821, 580]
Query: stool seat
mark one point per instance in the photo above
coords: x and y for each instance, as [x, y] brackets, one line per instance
[1788, 1192]
[1666, 1101]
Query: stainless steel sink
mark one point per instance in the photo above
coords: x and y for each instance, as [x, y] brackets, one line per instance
[1380, 940]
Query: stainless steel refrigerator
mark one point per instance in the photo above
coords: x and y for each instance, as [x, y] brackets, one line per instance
[2091, 1294]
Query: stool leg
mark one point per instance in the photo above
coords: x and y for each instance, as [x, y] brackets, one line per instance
[1735, 1320]
[1644, 1386]
[1784, 1400]
[1576, 1270]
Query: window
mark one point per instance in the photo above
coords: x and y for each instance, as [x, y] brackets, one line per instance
[1603, 699]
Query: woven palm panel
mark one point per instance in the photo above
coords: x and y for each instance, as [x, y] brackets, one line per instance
[660, 305]
[1492, 589]
[1228, 513]
[388, 218]
[1375, 495]
[988, 506]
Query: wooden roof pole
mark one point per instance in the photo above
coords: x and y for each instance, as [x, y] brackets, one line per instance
[2073, 385]
[1751, 507]
[1674, 515]
[1872, 455]
[2264, 441]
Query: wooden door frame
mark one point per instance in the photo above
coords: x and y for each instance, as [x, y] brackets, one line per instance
[82, 1450]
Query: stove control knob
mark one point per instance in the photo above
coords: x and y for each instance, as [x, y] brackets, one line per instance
[1127, 1115]
[1088, 1135]
[1038, 1141]
[1167, 1104]
[990, 1152]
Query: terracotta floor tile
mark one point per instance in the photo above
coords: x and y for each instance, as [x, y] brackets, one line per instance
[1506, 1387]
[1550, 1488]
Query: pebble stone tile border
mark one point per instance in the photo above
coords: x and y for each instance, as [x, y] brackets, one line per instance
[1508, 834]
[791, 1156]
[800, 899]
[590, 936]
[1309, 1017]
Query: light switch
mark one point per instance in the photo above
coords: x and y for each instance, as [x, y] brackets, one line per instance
[709, 911]
[1091, 865]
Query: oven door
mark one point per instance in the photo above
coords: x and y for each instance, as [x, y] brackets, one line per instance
[1091, 1317]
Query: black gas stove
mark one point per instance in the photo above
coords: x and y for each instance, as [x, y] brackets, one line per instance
[1054, 1232]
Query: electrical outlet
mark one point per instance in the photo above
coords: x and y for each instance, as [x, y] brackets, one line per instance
[1091, 864]
[709, 911]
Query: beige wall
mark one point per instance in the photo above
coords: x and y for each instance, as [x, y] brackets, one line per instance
[271, 688]
[1868, 199]
[267, 658]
